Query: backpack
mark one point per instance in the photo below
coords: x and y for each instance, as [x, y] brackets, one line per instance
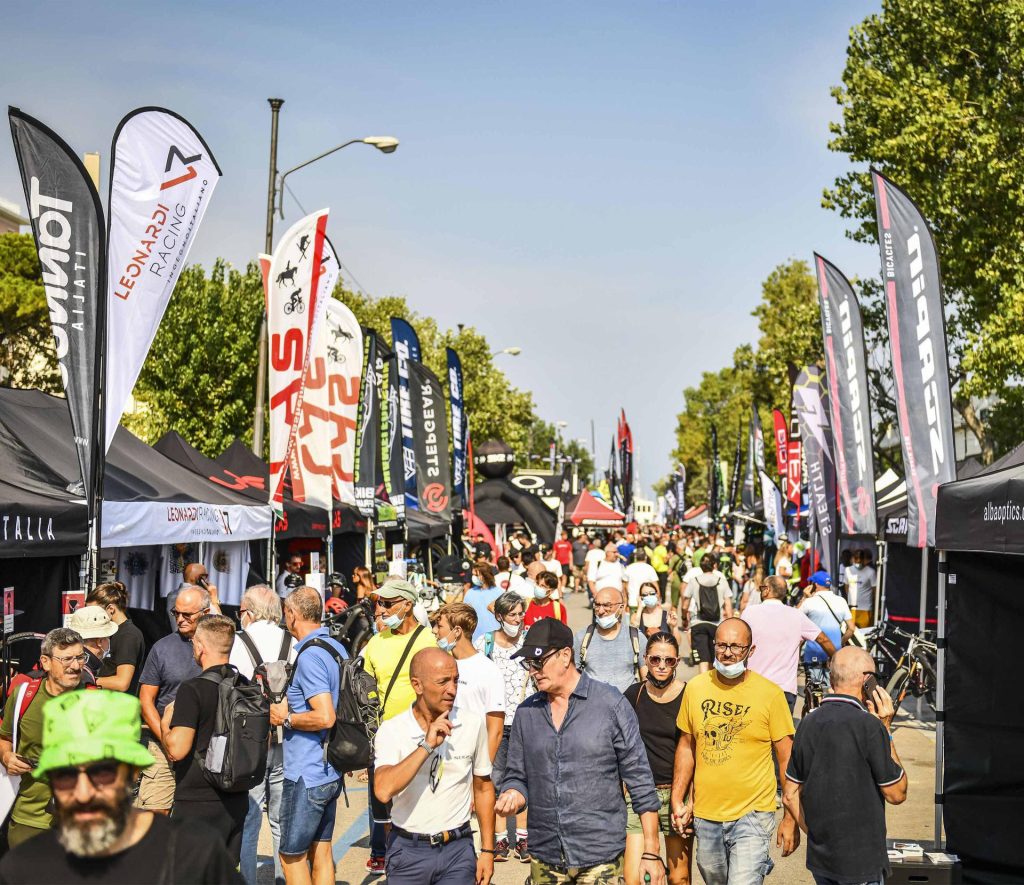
[27, 687]
[349, 744]
[634, 636]
[236, 759]
[272, 676]
[708, 607]
[488, 645]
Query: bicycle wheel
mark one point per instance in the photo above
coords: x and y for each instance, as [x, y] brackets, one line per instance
[896, 687]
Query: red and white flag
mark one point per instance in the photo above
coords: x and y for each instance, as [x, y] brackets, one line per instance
[344, 347]
[295, 306]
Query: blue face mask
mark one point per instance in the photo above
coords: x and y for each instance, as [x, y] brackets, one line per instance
[446, 644]
[650, 601]
[392, 621]
[477, 582]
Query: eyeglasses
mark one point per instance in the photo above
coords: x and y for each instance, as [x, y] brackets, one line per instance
[240, 612]
[658, 660]
[606, 606]
[436, 770]
[536, 664]
[100, 774]
[68, 660]
[188, 616]
[732, 648]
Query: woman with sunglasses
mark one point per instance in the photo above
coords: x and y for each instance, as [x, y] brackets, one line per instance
[656, 701]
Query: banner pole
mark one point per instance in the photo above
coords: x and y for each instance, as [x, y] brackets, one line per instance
[940, 700]
[271, 558]
[368, 547]
[330, 540]
[924, 589]
[883, 564]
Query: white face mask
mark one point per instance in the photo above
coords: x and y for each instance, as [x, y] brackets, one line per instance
[730, 671]
[511, 630]
[606, 621]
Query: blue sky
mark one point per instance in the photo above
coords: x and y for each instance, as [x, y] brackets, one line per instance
[602, 184]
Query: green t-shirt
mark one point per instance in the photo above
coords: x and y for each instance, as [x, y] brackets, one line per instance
[33, 795]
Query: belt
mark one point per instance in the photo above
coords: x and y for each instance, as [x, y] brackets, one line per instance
[442, 838]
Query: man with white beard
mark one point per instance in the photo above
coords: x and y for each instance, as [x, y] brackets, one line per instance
[91, 758]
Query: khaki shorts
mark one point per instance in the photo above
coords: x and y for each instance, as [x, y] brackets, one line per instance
[156, 789]
[603, 874]
[633, 824]
[863, 617]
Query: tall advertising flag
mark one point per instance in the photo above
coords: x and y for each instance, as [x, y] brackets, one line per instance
[162, 176]
[781, 445]
[773, 513]
[310, 465]
[406, 345]
[67, 223]
[430, 435]
[679, 485]
[392, 449]
[714, 484]
[810, 403]
[626, 462]
[366, 467]
[293, 306]
[734, 481]
[847, 376]
[917, 338]
[755, 463]
[614, 484]
[458, 427]
[344, 364]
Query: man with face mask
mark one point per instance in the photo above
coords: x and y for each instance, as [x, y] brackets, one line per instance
[731, 719]
[387, 657]
[609, 650]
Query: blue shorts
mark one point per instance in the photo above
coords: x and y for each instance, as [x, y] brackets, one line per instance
[307, 815]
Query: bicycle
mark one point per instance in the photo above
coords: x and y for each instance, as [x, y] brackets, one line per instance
[9, 666]
[295, 302]
[816, 685]
[915, 670]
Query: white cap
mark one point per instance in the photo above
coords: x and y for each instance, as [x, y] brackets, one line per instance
[92, 622]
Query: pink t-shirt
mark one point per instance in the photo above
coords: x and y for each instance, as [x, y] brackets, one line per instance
[778, 631]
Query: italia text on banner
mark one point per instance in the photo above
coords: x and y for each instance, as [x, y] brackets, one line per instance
[810, 402]
[293, 300]
[406, 345]
[310, 465]
[430, 435]
[67, 223]
[161, 181]
[920, 366]
[847, 376]
[458, 427]
[367, 461]
[344, 359]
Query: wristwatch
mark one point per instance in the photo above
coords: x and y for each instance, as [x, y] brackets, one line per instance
[423, 743]
[288, 721]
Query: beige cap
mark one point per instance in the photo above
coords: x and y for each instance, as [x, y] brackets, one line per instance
[92, 622]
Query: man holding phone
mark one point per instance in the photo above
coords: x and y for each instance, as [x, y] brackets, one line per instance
[844, 749]
[62, 659]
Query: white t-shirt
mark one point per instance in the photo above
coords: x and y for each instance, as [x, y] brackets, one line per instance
[860, 583]
[517, 584]
[595, 554]
[516, 679]
[172, 567]
[481, 686]
[784, 567]
[228, 565]
[553, 566]
[638, 574]
[608, 573]
[465, 753]
[137, 569]
[268, 638]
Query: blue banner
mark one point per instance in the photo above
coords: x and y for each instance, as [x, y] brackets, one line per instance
[406, 345]
[458, 425]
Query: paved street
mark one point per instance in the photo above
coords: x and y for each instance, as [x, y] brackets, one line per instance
[915, 742]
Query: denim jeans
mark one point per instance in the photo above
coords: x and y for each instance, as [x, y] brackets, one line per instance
[270, 789]
[735, 852]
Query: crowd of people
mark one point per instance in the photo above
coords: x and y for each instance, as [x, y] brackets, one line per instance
[581, 753]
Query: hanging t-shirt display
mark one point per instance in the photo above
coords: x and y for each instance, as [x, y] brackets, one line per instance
[137, 569]
[228, 565]
[174, 559]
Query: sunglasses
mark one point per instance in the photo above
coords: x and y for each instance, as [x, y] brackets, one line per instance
[188, 616]
[658, 660]
[389, 603]
[100, 774]
[536, 664]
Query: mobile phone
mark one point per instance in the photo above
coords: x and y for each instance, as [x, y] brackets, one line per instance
[870, 684]
[203, 582]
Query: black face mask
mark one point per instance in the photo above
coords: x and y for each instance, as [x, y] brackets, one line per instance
[659, 683]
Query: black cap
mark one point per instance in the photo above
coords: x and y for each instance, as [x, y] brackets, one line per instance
[293, 581]
[455, 570]
[545, 635]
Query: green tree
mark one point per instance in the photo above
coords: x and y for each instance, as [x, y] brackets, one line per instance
[27, 357]
[932, 95]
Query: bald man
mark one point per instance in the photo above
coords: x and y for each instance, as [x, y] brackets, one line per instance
[844, 749]
[731, 720]
[611, 650]
[433, 764]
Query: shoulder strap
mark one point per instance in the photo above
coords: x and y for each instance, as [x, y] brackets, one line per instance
[639, 692]
[834, 615]
[317, 642]
[19, 709]
[286, 646]
[585, 645]
[398, 669]
[250, 647]
[556, 608]
[634, 635]
[488, 644]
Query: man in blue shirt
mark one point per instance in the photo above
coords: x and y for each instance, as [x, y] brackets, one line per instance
[573, 744]
[311, 785]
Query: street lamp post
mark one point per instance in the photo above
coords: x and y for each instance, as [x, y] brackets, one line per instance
[510, 351]
[386, 144]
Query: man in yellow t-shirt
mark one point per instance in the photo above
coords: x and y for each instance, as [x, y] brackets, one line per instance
[387, 657]
[731, 719]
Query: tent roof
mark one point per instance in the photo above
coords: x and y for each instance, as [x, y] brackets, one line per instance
[585, 509]
[500, 502]
[984, 513]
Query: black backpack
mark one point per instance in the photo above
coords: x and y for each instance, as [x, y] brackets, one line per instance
[708, 608]
[236, 759]
[349, 745]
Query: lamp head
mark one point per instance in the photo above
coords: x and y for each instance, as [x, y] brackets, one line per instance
[513, 351]
[386, 144]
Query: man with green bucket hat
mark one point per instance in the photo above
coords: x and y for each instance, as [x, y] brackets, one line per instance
[91, 757]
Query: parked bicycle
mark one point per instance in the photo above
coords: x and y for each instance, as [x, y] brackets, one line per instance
[905, 662]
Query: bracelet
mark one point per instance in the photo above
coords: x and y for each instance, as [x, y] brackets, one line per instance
[647, 855]
[487, 851]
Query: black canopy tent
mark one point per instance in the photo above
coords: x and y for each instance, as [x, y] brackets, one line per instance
[979, 533]
[500, 502]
